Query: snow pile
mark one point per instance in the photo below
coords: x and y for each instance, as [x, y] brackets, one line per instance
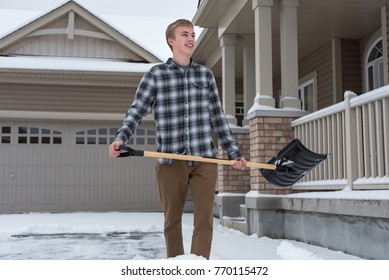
[136, 236]
[288, 251]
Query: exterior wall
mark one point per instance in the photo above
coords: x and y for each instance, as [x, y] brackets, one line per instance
[79, 46]
[268, 135]
[321, 62]
[231, 180]
[65, 98]
[351, 66]
[357, 227]
[387, 37]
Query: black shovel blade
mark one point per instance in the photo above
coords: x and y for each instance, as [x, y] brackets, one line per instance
[293, 162]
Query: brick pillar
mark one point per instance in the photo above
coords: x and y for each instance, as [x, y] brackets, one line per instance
[230, 179]
[268, 135]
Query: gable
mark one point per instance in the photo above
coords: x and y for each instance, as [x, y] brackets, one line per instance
[72, 31]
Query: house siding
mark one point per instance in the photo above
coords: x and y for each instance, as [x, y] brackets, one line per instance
[321, 62]
[351, 66]
[387, 31]
[79, 46]
[65, 98]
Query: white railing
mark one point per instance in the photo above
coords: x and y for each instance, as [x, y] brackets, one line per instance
[355, 133]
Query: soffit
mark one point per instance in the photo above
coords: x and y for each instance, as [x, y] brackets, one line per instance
[318, 22]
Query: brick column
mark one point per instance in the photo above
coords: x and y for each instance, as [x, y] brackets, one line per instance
[268, 135]
[230, 179]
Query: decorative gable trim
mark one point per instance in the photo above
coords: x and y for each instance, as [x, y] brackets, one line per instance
[72, 31]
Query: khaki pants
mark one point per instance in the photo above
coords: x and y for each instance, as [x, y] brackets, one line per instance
[174, 181]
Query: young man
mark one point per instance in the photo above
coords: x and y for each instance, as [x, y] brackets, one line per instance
[186, 110]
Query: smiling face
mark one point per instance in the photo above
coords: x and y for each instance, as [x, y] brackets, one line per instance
[183, 42]
[180, 37]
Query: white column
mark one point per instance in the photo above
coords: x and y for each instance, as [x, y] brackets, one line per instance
[227, 44]
[263, 52]
[289, 55]
[248, 46]
[384, 30]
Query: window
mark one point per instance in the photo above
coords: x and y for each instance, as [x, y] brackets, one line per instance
[104, 136]
[239, 111]
[36, 135]
[5, 134]
[143, 137]
[375, 66]
[307, 95]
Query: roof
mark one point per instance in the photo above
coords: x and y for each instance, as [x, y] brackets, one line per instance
[71, 64]
[139, 21]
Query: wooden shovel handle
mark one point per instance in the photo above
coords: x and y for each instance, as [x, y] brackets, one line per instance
[209, 160]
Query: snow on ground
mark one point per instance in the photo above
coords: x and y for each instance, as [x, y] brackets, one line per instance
[137, 236]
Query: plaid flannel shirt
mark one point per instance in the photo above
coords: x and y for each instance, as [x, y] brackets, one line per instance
[186, 110]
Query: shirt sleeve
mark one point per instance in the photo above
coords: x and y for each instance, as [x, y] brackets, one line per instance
[143, 101]
[220, 124]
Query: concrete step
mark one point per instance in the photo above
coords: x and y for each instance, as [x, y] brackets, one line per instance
[243, 210]
[237, 223]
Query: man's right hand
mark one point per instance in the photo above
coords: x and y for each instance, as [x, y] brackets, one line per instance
[114, 148]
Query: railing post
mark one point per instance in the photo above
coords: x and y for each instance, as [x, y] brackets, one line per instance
[351, 143]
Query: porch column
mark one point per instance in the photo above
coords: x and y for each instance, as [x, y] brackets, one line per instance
[289, 55]
[384, 31]
[248, 46]
[263, 53]
[227, 44]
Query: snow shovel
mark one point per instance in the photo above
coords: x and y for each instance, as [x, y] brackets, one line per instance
[291, 163]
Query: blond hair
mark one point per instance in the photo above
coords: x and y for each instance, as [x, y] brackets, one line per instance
[171, 29]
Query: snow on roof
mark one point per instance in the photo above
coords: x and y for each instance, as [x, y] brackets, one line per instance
[148, 31]
[12, 20]
[72, 64]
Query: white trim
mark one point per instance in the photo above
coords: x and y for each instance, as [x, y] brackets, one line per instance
[366, 63]
[384, 34]
[72, 64]
[307, 80]
[65, 31]
[70, 116]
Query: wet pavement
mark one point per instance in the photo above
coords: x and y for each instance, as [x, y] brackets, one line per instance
[85, 246]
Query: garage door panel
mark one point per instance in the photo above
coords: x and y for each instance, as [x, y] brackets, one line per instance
[6, 178]
[37, 185]
[51, 166]
[117, 184]
[123, 183]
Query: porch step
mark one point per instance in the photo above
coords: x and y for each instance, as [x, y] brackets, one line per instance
[237, 223]
[243, 210]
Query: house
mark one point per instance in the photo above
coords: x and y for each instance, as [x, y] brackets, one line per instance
[317, 71]
[67, 78]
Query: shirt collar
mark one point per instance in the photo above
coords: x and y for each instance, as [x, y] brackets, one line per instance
[172, 64]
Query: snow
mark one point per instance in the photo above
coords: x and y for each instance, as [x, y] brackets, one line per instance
[136, 236]
[144, 22]
[73, 64]
[346, 193]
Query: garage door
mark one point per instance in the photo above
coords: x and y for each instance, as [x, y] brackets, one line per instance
[57, 166]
